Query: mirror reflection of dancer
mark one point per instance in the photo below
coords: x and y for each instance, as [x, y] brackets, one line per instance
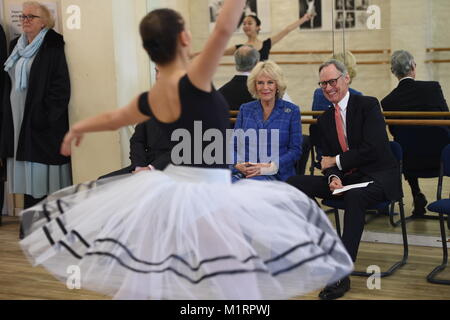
[311, 11]
[252, 27]
[185, 232]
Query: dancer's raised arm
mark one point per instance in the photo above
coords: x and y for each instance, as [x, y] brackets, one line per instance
[108, 121]
[203, 67]
[280, 35]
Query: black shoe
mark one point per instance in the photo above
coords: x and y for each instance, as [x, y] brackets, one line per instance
[335, 290]
[420, 203]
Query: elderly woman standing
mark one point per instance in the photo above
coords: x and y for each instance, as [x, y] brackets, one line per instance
[36, 113]
[266, 116]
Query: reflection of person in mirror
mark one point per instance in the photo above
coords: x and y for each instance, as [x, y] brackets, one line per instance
[340, 20]
[311, 11]
[364, 5]
[350, 20]
[349, 4]
[214, 9]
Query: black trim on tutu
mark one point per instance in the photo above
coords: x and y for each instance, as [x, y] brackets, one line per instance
[61, 226]
[192, 268]
[176, 257]
[47, 234]
[322, 236]
[81, 238]
[299, 264]
[46, 212]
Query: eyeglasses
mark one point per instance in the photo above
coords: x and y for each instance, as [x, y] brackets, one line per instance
[332, 82]
[29, 17]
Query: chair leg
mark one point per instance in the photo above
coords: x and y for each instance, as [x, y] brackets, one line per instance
[338, 222]
[400, 263]
[432, 275]
[398, 222]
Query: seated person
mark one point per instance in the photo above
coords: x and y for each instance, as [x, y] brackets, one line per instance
[321, 103]
[258, 159]
[149, 150]
[235, 91]
[355, 149]
[412, 95]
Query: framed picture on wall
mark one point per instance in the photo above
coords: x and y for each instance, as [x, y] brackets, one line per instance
[337, 14]
[351, 14]
[260, 8]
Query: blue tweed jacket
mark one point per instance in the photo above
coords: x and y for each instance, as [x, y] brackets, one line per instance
[286, 118]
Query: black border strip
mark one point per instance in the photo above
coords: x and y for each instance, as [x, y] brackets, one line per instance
[61, 226]
[46, 212]
[48, 235]
[87, 245]
[176, 257]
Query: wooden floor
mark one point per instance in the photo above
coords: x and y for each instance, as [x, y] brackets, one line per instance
[19, 280]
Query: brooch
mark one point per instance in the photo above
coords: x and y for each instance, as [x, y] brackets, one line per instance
[287, 110]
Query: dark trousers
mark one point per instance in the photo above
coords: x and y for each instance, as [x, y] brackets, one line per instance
[306, 148]
[357, 201]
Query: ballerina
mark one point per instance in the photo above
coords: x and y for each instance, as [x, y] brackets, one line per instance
[252, 26]
[185, 232]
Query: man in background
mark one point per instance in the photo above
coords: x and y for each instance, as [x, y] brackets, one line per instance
[412, 95]
[235, 91]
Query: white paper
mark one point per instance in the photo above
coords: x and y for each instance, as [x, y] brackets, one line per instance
[352, 186]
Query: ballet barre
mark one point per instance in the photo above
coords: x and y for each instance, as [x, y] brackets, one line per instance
[400, 114]
[398, 122]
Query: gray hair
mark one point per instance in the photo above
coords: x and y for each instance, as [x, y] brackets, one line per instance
[338, 64]
[46, 15]
[246, 58]
[402, 63]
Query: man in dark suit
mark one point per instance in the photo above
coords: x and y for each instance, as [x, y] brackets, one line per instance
[149, 150]
[235, 91]
[412, 95]
[356, 149]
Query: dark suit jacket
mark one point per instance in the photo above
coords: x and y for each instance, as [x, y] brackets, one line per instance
[3, 75]
[369, 152]
[3, 56]
[236, 93]
[412, 95]
[148, 145]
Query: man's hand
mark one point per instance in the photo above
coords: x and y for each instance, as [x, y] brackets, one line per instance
[328, 162]
[335, 183]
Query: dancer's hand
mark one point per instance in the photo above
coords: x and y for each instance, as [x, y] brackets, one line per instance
[306, 18]
[66, 146]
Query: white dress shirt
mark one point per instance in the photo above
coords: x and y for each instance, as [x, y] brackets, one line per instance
[343, 111]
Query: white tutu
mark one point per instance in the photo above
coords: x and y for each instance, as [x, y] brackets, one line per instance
[186, 233]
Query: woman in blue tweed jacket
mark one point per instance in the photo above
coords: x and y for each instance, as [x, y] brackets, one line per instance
[267, 135]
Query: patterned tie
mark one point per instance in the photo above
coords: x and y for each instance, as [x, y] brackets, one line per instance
[340, 128]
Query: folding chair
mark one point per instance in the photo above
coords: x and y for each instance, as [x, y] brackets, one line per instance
[339, 204]
[422, 147]
[442, 207]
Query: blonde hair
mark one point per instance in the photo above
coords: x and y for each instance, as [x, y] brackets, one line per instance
[270, 69]
[349, 60]
[46, 15]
